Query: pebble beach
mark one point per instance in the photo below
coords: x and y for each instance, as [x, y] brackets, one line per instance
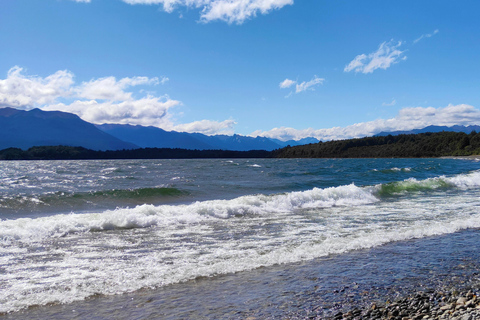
[422, 305]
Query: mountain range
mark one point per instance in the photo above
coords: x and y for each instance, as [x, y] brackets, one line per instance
[24, 129]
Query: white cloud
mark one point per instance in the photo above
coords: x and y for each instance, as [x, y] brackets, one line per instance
[427, 35]
[164, 80]
[148, 111]
[103, 100]
[300, 87]
[308, 85]
[406, 119]
[110, 89]
[239, 10]
[207, 127]
[21, 91]
[388, 53]
[287, 83]
[231, 11]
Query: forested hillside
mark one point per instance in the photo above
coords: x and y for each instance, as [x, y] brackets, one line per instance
[405, 145]
[80, 153]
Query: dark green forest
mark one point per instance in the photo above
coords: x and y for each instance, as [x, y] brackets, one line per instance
[422, 145]
[80, 153]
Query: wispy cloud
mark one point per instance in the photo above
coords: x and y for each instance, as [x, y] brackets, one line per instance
[389, 104]
[230, 11]
[427, 35]
[406, 119]
[164, 80]
[308, 85]
[103, 100]
[387, 54]
[303, 86]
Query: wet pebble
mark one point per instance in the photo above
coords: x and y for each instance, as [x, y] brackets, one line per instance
[432, 304]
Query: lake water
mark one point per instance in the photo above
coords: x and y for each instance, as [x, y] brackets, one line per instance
[218, 238]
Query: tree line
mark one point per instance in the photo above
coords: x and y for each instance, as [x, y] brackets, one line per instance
[422, 145]
[80, 153]
[439, 144]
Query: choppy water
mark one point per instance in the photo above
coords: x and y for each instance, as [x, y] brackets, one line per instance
[73, 230]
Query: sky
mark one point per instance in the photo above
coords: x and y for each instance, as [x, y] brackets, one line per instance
[285, 69]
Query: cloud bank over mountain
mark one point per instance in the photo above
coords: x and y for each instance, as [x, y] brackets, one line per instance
[115, 101]
[406, 119]
[103, 100]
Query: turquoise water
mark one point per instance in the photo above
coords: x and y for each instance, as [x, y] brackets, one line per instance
[75, 230]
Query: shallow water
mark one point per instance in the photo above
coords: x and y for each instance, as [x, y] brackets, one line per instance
[228, 238]
[317, 288]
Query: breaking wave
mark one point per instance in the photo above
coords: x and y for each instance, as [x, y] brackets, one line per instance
[144, 216]
[413, 185]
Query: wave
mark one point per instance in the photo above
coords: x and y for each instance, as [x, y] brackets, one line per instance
[208, 238]
[413, 185]
[126, 194]
[395, 170]
[144, 216]
[75, 199]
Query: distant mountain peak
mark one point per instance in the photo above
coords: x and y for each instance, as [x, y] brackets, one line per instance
[25, 129]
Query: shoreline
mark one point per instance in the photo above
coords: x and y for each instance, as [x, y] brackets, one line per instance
[363, 284]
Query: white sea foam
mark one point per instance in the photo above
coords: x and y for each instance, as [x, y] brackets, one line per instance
[69, 257]
[143, 216]
[28, 229]
[112, 265]
[465, 180]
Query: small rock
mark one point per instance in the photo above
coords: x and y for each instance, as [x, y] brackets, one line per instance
[447, 307]
[466, 317]
[470, 304]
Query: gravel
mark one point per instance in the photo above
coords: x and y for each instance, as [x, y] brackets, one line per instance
[433, 304]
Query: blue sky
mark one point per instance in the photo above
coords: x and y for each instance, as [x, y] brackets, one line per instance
[278, 68]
